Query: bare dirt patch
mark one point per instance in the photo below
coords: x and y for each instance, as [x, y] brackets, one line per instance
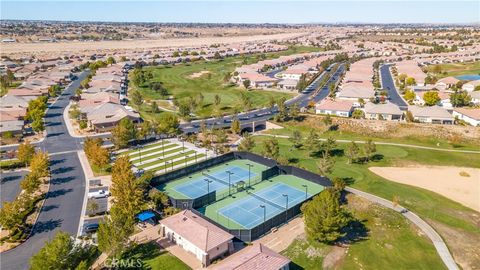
[446, 181]
[198, 74]
[334, 257]
[463, 245]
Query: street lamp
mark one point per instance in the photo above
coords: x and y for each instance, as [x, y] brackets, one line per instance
[229, 184]
[208, 189]
[249, 166]
[186, 156]
[286, 206]
[306, 191]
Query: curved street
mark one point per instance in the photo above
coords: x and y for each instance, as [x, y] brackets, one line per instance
[62, 208]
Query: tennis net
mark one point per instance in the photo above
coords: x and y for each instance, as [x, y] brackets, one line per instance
[267, 201]
[215, 179]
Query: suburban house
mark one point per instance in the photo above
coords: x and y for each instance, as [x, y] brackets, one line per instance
[197, 236]
[287, 84]
[475, 97]
[107, 115]
[256, 256]
[434, 115]
[446, 83]
[257, 80]
[383, 111]
[354, 93]
[343, 108]
[10, 125]
[470, 86]
[471, 116]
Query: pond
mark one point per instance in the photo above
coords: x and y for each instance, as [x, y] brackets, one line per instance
[468, 77]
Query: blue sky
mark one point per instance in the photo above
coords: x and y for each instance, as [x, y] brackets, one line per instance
[250, 11]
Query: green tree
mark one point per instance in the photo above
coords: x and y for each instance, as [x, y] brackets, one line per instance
[294, 111]
[369, 149]
[296, 139]
[39, 164]
[217, 100]
[146, 129]
[30, 183]
[123, 133]
[410, 81]
[56, 254]
[351, 152]
[324, 218]
[169, 125]
[460, 98]
[246, 83]
[154, 107]
[11, 216]
[402, 77]
[138, 76]
[235, 126]
[339, 184]
[312, 140]
[358, 114]
[247, 144]
[110, 60]
[431, 98]
[25, 152]
[409, 95]
[92, 206]
[409, 117]
[136, 97]
[325, 164]
[271, 149]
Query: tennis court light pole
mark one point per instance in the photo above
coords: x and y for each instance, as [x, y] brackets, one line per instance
[249, 166]
[286, 207]
[166, 163]
[264, 215]
[186, 156]
[139, 153]
[306, 191]
[229, 184]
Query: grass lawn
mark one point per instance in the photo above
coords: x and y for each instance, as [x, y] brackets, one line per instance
[430, 141]
[388, 241]
[176, 79]
[153, 258]
[456, 69]
[434, 208]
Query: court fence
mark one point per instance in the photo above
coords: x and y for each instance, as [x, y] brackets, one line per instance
[246, 235]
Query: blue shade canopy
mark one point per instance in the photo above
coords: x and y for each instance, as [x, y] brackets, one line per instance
[145, 215]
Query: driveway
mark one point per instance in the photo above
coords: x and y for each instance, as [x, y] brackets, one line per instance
[10, 185]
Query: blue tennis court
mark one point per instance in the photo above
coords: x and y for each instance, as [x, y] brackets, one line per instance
[249, 211]
[198, 186]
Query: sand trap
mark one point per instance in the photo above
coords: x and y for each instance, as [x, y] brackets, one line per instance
[446, 181]
[198, 74]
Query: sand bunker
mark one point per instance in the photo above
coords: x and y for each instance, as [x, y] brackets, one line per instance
[198, 74]
[447, 181]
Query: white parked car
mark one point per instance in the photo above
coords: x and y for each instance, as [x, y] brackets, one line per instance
[99, 194]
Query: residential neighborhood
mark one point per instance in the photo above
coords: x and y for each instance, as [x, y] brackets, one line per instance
[239, 135]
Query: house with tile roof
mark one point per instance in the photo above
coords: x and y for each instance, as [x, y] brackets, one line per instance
[382, 111]
[197, 235]
[469, 115]
[107, 115]
[342, 108]
[433, 114]
[256, 256]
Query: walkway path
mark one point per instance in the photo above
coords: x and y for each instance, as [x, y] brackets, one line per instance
[384, 143]
[438, 242]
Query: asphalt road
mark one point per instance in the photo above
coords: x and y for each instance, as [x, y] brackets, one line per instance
[389, 86]
[10, 185]
[63, 205]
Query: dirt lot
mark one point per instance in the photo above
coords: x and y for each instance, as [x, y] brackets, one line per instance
[76, 47]
[459, 184]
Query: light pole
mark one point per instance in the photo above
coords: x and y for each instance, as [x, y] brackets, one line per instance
[264, 215]
[249, 166]
[139, 153]
[183, 146]
[229, 184]
[286, 206]
[166, 163]
[186, 156]
[208, 189]
[195, 157]
[206, 153]
[163, 149]
[306, 191]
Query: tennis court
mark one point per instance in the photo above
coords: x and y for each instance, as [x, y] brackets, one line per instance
[214, 180]
[254, 209]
